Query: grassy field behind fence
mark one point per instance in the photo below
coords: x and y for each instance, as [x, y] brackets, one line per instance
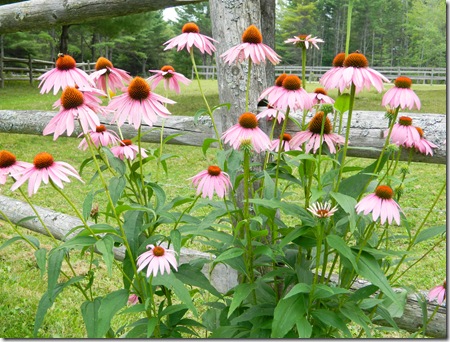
[21, 286]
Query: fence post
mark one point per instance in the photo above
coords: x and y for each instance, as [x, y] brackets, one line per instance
[30, 69]
[2, 55]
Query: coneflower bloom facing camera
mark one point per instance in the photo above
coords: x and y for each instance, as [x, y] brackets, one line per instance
[404, 133]
[312, 136]
[157, 259]
[322, 210]
[170, 77]
[290, 95]
[117, 78]
[190, 37]
[73, 107]
[381, 205]
[273, 90]
[247, 129]
[212, 180]
[65, 74]
[251, 48]
[285, 144]
[100, 137]
[126, 149]
[401, 95]
[139, 103]
[271, 113]
[44, 169]
[320, 96]
[10, 165]
[329, 79]
[438, 293]
[305, 40]
[423, 145]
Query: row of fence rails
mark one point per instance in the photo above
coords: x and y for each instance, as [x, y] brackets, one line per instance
[205, 71]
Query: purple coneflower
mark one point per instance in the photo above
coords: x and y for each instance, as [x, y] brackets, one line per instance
[271, 113]
[285, 144]
[191, 36]
[100, 137]
[247, 129]
[212, 180]
[9, 165]
[127, 150]
[290, 95]
[438, 293]
[320, 96]
[139, 103]
[273, 90]
[133, 299]
[381, 204]
[305, 40]
[423, 145]
[170, 77]
[43, 169]
[157, 258]
[332, 76]
[116, 77]
[65, 74]
[322, 210]
[401, 95]
[73, 107]
[404, 133]
[312, 135]
[251, 47]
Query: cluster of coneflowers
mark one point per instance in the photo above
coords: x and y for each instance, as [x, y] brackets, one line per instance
[80, 101]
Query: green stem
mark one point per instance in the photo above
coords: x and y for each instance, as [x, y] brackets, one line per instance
[249, 263]
[304, 66]
[141, 168]
[283, 128]
[349, 26]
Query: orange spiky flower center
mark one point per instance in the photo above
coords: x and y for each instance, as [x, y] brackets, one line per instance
[302, 36]
[138, 89]
[280, 79]
[43, 160]
[100, 129]
[214, 170]
[315, 125]
[405, 121]
[65, 62]
[292, 82]
[420, 131]
[190, 28]
[252, 35]
[126, 142]
[248, 120]
[384, 192]
[320, 91]
[158, 251]
[322, 213]
[167, 68]
[71, 97]
[286, 137]
[7, 159]
[403, 82]
[356, 60]
[103, 63]
[338, 60]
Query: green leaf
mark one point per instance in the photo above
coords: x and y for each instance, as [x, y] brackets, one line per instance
[175, 238]
[105, 247]
[116, 187]
[172, 136]
[133, 225]
[330, 318]
[116, 163]
[199, 113]
[207, 143]
[304, 328]
[10, 241]
[229, 254]
[172, 309]
[430, 233]
[41, 259]
[193, 276]
[269, 186]
[99, 228]
[341, 247]
[55, 259]
[241, 292]
[110, 305]
[79, 241]
[356, 315]
[87, 205]
[159, 193]
[151, 325]
[288, 312]
[347, 203]
[342, 102]
[89, 311]
[298, 288]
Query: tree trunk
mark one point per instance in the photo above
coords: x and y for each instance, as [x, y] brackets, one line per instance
[64, 40]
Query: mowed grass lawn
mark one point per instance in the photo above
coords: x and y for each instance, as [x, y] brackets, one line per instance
[21, 285]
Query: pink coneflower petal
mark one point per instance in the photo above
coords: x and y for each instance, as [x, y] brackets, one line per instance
[306, 40]
[157, 259]
[291, 95]
[116, 77]
[403, 133]
[127, 150]
[191, 37]
[322, 210]
[212, 180]
[10, 166]
[438, 293]
[170, 77]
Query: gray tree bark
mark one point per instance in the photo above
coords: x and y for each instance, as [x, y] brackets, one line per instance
[41, 14]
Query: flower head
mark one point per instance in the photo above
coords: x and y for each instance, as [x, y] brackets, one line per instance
[423, 145]
[251, 47]
[305, 40]
[380, 204]
[170, 77]
[75, 105]
[212, 180]
[275, 88]
[63, 75]
[271, 113]
[319, 96]
[127, 150]
[9, 165]
[191, 37]
[401, 95]
[404, 133]
[139, 103]
[322, 210]
[43, 169]
[312, 135]
[157, 258]
[100, 137]
[104, 70]
[247, 129]
[285, 143]
[334, 74]
[291, 95]
[438, 293]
